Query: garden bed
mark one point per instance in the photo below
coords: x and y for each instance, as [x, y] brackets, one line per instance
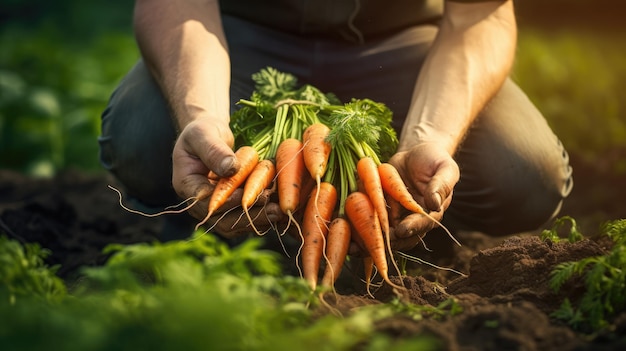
[505, 293]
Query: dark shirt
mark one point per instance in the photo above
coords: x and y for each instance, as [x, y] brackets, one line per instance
[348, 19]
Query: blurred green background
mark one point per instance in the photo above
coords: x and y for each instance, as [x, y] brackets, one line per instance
[60, 60]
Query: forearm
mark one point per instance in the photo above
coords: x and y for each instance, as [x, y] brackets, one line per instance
[183, 44]
[469, 61]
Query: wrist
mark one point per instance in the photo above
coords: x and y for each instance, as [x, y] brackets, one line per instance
[425, 133]
[194, 113]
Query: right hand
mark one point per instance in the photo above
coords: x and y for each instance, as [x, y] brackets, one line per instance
[430, 174]
[203, 146]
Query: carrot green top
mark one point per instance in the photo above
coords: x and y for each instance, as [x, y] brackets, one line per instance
[279, 109]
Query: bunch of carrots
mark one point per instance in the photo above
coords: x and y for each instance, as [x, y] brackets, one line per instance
[324, 159]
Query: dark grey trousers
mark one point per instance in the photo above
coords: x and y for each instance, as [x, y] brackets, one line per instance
[514, 170]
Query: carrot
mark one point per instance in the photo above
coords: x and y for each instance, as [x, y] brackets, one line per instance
[289, 168]
[257, 181]
[337, 246]
[289, 174]
[362, 215]
[316, 150]
[368, 173]
[317, 214]
[367, 170]
[393, 185]
[368, 266]
[213, 176]
[247, 157]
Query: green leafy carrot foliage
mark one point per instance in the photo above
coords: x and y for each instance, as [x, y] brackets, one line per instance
[604, 279]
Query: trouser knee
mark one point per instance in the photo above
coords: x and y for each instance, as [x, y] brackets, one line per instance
[515, 172]
[137, 139]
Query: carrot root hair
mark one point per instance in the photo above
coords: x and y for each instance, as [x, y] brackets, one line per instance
[167, 210]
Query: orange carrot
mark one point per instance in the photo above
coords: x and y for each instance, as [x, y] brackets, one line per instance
[368, 173]
[316, 150]
[213, 176]
[289, 168]
[317, 214]
[248, 159]
[257, 181]
[289, 174]
[337, 247]
[368, 266]
[393, 185]
[362, 215]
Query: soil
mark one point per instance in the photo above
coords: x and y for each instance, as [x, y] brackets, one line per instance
[503, 291]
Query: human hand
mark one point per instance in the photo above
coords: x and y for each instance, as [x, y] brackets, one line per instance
[203, 146]
[430, 173]
[229, 220]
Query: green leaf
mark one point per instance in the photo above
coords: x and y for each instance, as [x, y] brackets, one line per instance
[552, 234]
[273, 85]
[604, 280]
[24, 274]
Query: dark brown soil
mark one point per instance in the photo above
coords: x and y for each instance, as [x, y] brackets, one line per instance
[504, 291]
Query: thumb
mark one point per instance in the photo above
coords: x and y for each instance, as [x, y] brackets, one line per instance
[197, 151]
[441, 185]
[212, 144]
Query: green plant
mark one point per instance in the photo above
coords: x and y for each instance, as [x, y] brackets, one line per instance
[604, 281]
[192, 295]
[552, 234]
[448, 307]
[24, 275]
[52, 92]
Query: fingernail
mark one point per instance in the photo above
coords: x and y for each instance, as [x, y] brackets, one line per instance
[227, 166]
[437, 199]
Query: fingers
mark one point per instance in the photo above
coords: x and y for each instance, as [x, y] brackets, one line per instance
[439, 189]
[406, 243]
[189, 176]
[199, 148]
[205, 146]
[230, 220]
[234, 223]
[433, 172]
[212, 144]
[415, 225]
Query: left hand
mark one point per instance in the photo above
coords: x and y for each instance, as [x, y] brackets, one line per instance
[430, 173]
